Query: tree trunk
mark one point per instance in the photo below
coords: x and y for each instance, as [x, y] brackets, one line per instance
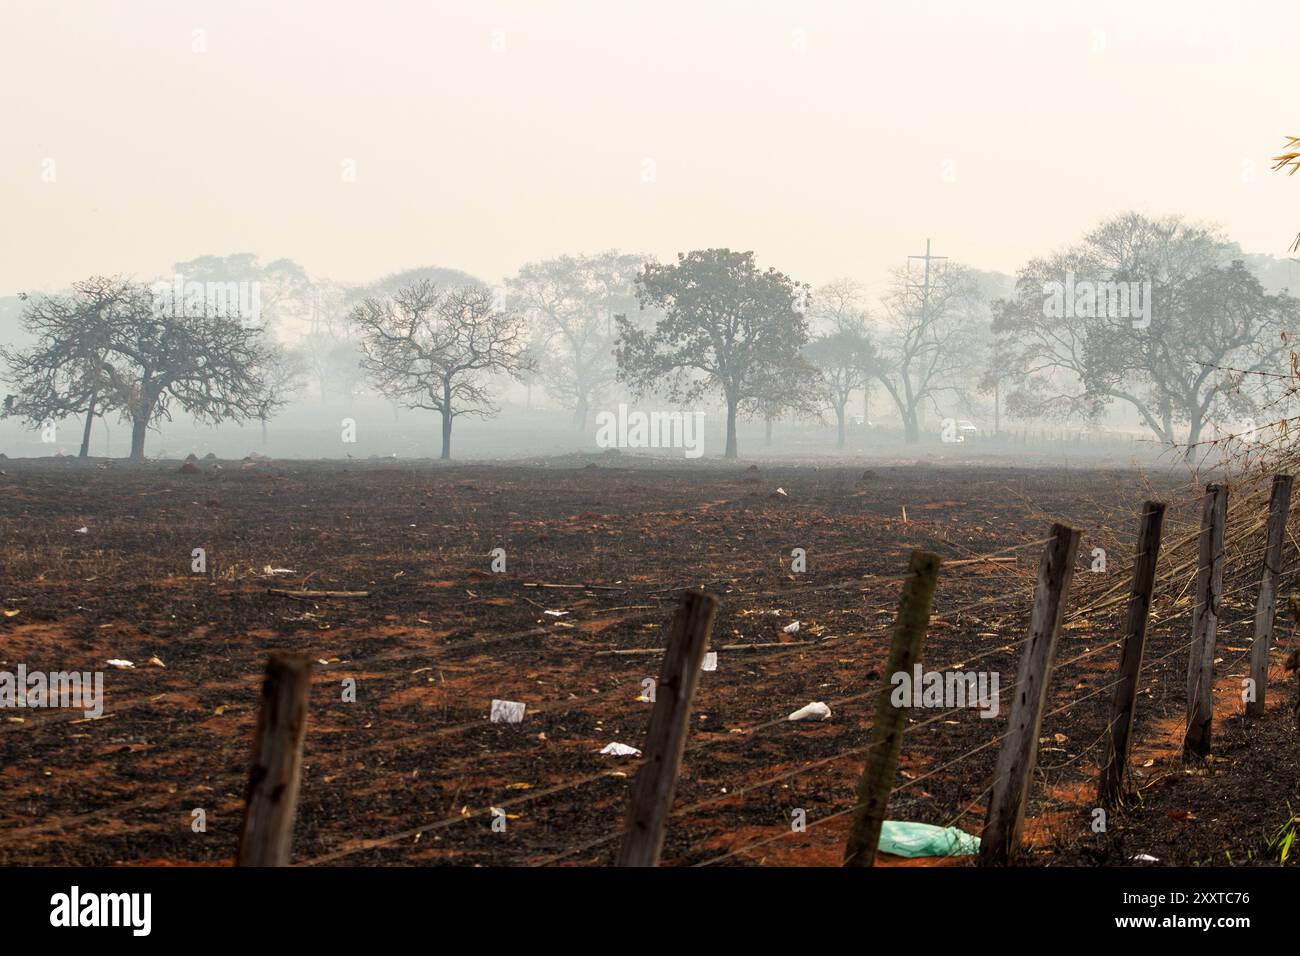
[85, 432]
[446, 419]
[580, 413]
[139, 428]
[731, 428]
[911, 427]
[839, 426]
[767, 431]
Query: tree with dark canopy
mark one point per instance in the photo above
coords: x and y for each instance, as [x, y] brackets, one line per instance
[109, 345]
[726, 326]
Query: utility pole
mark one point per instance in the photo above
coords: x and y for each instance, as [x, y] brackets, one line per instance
[925, 289]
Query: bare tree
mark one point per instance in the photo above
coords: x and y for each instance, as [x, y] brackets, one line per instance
[840, 306]
[286, 372]
[571, 303]
[432, 348]
[64, 373]
[147, 359]
[841, 359]
[925, 342]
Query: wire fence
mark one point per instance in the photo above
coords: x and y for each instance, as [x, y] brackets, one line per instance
[1092, 597]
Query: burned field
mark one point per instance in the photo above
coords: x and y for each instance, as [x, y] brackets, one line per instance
[96, 564]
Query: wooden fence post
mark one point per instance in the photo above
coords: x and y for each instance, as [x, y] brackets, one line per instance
[1205, 623]
[1015, 766]
[267, 834]
[1110, 786]
[656, 781]
[887, 730]
[1279, 504]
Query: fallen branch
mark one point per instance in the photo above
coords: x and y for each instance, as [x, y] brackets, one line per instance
[317, 594]
[724, 647]
[574, 587]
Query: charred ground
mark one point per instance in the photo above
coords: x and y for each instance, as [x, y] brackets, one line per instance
[408, 772]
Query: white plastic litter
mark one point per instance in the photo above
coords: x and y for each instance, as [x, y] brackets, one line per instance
[82, 530]
[507, 712]
[710, 661]
[119, 664]
[556, 613]
[814, 711]
[1145, 858]
[791, 628]
[620, 750]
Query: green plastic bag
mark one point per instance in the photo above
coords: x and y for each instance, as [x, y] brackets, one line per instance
[902, 838]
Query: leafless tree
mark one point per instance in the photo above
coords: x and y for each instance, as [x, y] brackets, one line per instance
[143, 360]
[65, 372]
[432, 348]
[842, 360]
[925, 340]
[571, 302]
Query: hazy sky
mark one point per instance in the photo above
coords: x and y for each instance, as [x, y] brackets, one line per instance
[831, 138]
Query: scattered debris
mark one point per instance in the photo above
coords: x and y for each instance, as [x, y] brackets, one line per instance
[710, 661]
[119, 664]
[620, 750]
[908, 839]
[507, 712]
[791, 628]
[814, 711]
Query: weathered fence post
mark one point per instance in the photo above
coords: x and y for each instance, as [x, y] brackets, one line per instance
[1205, 623]
[267, 834]
[1015, 766]
[887, 730]
[656, 781]
[1279, 504]
[1110, 785]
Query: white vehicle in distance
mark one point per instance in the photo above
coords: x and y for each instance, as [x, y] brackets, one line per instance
[957, 430]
